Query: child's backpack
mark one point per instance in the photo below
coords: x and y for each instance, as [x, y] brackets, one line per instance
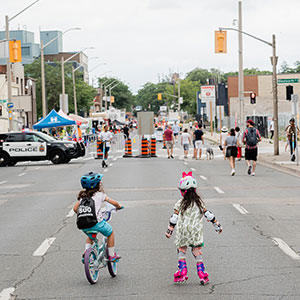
[86, 214]
[251, 137]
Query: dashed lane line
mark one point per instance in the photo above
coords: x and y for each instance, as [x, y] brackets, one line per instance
[42, 249]
[218, 190]
[105, 170]
[186, 163]
[22, 174]
[240, 208]
[37, 168]
[110, 164]
[193, 169]
[7, 294]
[203, 177]
[114, 159]
[71, 213]
[2, 182]
[285, 248]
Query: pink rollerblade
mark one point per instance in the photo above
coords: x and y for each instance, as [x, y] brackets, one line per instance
[181, 274]
[201, 273]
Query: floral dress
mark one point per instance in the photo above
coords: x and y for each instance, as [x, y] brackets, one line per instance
[189, 228]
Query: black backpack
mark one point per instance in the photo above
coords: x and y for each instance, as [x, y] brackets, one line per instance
[86, 214]
[251, 137]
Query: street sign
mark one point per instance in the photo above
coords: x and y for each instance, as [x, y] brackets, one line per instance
[3, 100]
[208, 92]
[288, 80]
[10, 105]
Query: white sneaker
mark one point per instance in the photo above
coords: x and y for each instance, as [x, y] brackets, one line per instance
[232, 172]
[253, 174]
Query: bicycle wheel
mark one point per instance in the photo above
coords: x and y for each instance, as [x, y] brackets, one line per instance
[111, 266]
[91, 266]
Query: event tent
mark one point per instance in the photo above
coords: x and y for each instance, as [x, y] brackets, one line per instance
[53, 119]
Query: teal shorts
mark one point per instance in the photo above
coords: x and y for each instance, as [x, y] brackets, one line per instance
[102, 227]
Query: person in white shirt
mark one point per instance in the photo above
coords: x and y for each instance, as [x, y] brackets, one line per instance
[176, 130]
[185, 142]
[106, 137]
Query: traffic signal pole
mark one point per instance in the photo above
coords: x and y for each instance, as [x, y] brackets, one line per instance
[241, 69]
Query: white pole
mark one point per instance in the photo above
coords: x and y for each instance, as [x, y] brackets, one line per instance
[241, 68]
[63, 84]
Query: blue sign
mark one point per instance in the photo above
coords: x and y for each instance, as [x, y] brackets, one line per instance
[10, 105]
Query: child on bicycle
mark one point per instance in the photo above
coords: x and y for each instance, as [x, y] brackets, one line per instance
[188, 215]
[93, 189]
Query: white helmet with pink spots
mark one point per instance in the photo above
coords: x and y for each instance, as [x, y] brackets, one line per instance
[187, 181]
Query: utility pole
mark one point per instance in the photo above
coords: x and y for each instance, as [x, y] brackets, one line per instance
[179, 95]
[274, 60]
[63, 84]
[74, 89]
[241, 68]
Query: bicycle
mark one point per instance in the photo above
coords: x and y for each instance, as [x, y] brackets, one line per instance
[96, 257]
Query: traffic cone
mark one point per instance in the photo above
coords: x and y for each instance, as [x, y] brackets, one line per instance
[164, 144]
[128, 148]
[145, 148]
[153, 147]
[99, 150]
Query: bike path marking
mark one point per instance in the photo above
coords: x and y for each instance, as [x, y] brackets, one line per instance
[218, 190]
[203, 177]
[71, 213]
[3, 182]
[22, 174]
[240, 208]
[285, 248]
[6, 294]
[42, 249]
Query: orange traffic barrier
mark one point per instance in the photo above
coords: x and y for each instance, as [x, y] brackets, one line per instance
[128, 148]
[99, 150]
[145, 148]
[164, 140]
[153, 147]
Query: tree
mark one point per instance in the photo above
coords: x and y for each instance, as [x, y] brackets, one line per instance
[124, 98]
[53, 85]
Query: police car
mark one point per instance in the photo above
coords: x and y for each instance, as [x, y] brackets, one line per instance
[35, 146]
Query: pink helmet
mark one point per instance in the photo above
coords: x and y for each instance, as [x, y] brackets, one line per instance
[187, 181]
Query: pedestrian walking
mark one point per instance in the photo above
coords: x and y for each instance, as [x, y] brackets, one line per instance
[194, 128]
[125, 130]
[199, 142]
[238, 135]
[223, 136]
[105, 137]
[188, 219]
[292, 133]
[176, 130]
[271, 128]
[185, 142]
[169, 138]
[251, 137]
[232, 144]
[191, 124]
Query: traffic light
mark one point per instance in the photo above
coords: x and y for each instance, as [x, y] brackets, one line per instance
[159, 96]
[15, 51]
[289, 92]
[220, 41]
[252, 98]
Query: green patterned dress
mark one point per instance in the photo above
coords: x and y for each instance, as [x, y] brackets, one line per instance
[189, 228]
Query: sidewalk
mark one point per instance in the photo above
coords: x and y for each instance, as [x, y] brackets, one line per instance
[266, 156]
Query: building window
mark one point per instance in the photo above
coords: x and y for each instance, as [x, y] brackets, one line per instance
[25, 51]
[17, 80]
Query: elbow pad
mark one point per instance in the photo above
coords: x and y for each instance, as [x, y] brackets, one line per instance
[173, 220]
[209, 216]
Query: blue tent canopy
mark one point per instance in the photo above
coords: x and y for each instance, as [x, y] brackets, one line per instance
[53, 119]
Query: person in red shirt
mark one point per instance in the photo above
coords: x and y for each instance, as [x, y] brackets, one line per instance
[169, 138]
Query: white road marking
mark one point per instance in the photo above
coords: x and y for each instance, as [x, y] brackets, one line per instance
[6, 294]
[114, 159]
[37, 168]
[105, 170]
[240, 208]
[203, 177]
[186, 163]
[2, 201]
[193, 169]
[3, 182]
[286, 248]
[88, 158]
[110, 165]
[22, 174]
[71, 213]
[218, 190]
[120, 156]
[42, 249]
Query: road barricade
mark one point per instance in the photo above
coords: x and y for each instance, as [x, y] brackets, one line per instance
[145, 148]
[164, 145]
[153, 147]
[128, 148]
[99, 150]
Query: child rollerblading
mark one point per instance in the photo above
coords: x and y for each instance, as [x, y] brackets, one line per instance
[188, 215]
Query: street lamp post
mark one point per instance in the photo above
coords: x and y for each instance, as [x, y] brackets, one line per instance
[44, 105]
[8, 67]
[274, 60]
[105, 92]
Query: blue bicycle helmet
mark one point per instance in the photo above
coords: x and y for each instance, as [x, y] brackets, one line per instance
[90, 180]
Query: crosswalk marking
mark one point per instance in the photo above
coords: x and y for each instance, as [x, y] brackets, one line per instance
[42, 249]
[218, 190]
[240, 208]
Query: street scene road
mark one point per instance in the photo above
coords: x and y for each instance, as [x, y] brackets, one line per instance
[244, 262]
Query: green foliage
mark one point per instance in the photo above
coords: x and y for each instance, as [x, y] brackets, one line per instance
[286, 69]
[53, 84]
[252, 71]
[123, 96]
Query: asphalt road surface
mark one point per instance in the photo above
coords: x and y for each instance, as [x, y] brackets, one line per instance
[256, 256]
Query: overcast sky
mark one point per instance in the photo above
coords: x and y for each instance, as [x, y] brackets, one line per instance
[139, 39]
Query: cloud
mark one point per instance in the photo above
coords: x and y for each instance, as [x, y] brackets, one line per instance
[163, 4]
